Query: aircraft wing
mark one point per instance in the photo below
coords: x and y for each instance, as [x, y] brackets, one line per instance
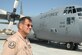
[7, 23]
[2, 16]
[5, 17]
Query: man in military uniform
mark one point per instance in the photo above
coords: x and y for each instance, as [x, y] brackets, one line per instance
[18, 44]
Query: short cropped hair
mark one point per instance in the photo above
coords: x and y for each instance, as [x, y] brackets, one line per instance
[21, 20]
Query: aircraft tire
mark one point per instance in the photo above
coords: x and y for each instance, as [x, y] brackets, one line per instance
[70, 45]
[75, 46]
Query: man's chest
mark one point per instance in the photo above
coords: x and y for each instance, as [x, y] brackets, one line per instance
[24, 45]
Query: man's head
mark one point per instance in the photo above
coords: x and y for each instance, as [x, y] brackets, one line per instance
[25, 25]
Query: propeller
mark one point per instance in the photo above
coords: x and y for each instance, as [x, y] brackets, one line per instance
[13, 14]
[10, 16]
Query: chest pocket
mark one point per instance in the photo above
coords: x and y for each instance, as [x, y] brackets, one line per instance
[22, 50]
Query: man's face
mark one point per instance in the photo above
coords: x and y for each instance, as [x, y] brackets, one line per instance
[26, 26]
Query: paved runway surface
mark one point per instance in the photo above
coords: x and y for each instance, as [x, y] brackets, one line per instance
[40, 48]
[43, 48]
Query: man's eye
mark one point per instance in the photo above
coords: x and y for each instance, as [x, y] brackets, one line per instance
[29, 25]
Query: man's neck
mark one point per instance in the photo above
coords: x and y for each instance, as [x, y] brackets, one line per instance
[23, 34]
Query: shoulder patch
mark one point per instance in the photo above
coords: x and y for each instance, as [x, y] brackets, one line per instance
[12, 44]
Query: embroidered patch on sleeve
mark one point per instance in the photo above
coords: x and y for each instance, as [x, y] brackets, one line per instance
[12, 44]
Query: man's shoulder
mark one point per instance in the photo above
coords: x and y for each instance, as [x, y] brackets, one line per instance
[13, 38]
[11, 42]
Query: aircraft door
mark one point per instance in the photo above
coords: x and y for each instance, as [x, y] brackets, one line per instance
[70, 22]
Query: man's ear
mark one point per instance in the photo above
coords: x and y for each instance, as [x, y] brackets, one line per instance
[20, 25]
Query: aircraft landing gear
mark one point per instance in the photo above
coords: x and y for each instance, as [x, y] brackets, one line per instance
[71, 46]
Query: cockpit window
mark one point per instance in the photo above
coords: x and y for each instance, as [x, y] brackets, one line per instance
[79, 9]
[74, 10]
[79, 14]
[70, 10]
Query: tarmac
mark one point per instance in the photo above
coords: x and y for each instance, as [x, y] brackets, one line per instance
[40, 48]
[43, 48]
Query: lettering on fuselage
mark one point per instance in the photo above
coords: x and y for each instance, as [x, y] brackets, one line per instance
[49, 15]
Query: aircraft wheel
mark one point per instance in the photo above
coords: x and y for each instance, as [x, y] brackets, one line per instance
[69, 45]
[75, 46]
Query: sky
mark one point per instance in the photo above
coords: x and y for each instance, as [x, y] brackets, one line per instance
[35, 7]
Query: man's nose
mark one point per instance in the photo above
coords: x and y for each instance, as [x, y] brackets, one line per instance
[30, 26]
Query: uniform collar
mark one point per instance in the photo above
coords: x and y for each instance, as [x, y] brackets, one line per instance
[20, 36]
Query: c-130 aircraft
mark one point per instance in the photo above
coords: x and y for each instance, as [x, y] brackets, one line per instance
[63, 25]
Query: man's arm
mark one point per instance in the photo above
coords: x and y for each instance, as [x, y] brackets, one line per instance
[9, 48]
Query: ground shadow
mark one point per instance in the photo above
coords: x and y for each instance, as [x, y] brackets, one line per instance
[52, 45]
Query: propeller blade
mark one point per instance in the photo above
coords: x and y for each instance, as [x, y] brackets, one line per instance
[15, 5]
[3, 12]
[21, 11]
